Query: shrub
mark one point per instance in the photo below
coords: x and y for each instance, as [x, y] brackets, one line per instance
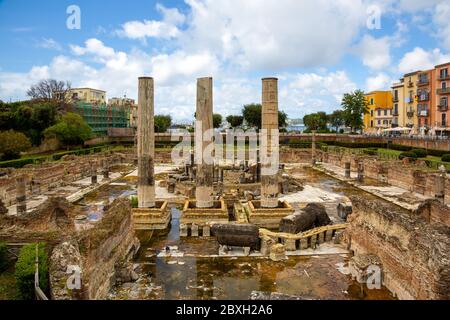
[70, 130]
[446, 157]
[437, 153]
[3, 257]
[408, 154]
[399, 147]
[134, 201]
[370, 151]
[25, 269]
[12, 143]
[421, 153]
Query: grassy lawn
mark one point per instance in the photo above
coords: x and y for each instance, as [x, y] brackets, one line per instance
[8, 285]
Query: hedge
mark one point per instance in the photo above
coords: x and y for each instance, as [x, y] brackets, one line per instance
[446, 157]
[421, 153]
[19, 163]
[408, 154]
[3, 257]
[25, 270]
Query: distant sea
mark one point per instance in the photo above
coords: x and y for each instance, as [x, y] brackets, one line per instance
[299, 127]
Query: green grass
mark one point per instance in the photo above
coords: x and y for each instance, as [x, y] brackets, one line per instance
[8, 289]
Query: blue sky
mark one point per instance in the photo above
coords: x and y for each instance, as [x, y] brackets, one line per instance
[318, 49]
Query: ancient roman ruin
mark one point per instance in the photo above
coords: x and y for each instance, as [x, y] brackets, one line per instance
[276, 225]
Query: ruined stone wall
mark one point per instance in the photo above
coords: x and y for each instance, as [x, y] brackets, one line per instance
[414, 253]
[43, 177]
[102, 252]
[434, 212]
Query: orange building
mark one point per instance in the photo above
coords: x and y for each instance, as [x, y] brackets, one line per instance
[442, 81]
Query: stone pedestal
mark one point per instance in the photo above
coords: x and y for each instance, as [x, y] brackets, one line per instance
[360, 171]
[268, 218]
[313, 147]
[290, 245]
[203, 217]
[156, 218]
[277, 252]
[440, 184]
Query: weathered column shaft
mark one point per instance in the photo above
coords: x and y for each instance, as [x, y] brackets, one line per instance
[269, 177]
[347, 169]
[360, 171]
[146, 143]
[205, 171]
[313, 147]
[105, 169]
[21, 195]
[440, 184]
[94, 172]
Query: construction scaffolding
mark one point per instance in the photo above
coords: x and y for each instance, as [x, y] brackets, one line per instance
[102, 117]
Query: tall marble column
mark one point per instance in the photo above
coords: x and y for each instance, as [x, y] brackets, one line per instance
[269, 169]
[146, 143]
[204, 117]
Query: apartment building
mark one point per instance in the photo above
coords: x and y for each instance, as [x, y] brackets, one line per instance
[442, 97]
[87, 95]
[381, 113]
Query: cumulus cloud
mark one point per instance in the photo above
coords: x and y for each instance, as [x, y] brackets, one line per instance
[166, 28]
[379, 82]
[441, 18]
[420, 59]
[375, 52]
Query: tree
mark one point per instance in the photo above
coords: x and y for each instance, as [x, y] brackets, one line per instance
[217, 120]
[316, 121]
[282, 119]
[355, 106]
[235, 121]
[162, 123]
[71, 129]
[12, 143]
[253, 116]
[51, 90]
[336, 119]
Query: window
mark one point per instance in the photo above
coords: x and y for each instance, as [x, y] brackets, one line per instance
[444, 73]
[444, 119]
[371, 113]
[385, 112]
[396, 94]
[379, 122]
[444, 101]
[444, 85]
[396, 108]
[371, 123]
[371, 101]
[379, 112]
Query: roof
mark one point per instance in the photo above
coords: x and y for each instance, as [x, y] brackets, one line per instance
[87, 89]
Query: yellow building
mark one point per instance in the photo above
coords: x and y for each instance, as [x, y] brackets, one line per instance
[398, 101]
[410, 102]
[88, 95]
[380, 114]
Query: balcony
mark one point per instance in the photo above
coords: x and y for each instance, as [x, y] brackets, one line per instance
[423, 113]
[410, 84]
[443, 108]
[395, 99]
[444, 77]
[410, 100]
[423, 82]
[395, 113]
[410, 114]
[443, 91]
[423, 97]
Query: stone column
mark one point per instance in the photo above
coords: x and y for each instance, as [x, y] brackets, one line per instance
[269, 176]
[347, 169]
[440, 184]
[313, 148]
[105, 169]
[93, 172]
[146, 143]
[21, 195]
[360, 171]
[204, 117]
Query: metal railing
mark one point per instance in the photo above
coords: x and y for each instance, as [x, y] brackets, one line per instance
[40, 295]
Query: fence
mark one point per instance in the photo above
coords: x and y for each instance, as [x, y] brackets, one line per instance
[40, 295]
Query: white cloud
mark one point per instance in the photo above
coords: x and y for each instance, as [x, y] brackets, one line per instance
[49, 43]
[166, 28]
[375, 52]
[441, 18]
[269, 35]
[379, 82]
[420, 59]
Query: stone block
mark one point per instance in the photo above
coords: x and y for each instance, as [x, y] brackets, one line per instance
[206, 231]
[183, 230]
[303, 244]
[290, 245]
[194, 230]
